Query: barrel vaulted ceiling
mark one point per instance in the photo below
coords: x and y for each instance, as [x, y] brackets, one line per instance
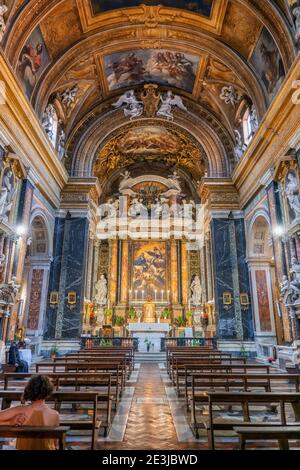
[106, 47]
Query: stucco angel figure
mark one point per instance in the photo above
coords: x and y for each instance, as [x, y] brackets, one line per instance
[196, 290]
[126, 184]
[101, 288]
[167, 103]
[292, 194]
[69, 95]
[296, 13]
[240, 147]
[133, 108]
[3, 10]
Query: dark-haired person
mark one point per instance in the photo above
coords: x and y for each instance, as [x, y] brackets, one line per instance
[15, 359]
[37, 413]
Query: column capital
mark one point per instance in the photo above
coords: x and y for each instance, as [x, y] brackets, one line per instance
[219, 194]
[81, 193]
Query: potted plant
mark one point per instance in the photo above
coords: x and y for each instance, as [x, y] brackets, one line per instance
[119, 321]
[148, 344]
[54, 351]
[180, 322]
[131, 315]
[108, 316]
[165, 316]
[243, 352]
[189, 317]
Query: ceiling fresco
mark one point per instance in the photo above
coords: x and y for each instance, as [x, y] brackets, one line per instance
[267, 61]
[203, 7]
[237, 47]
[164, 67]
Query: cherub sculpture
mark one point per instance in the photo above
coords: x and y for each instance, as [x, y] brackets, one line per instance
[167, 103]
[133, 108]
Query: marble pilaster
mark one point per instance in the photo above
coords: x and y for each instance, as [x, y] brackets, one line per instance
[184, 273]
[174, 272]
[113, 281]
[124, 272]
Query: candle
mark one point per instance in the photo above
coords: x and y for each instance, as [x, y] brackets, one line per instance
[136, 292]
[162, 295]
[155, 295]
[143, 292]
[168, 296]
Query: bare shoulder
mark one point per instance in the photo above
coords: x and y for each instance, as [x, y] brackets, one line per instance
[54, 415]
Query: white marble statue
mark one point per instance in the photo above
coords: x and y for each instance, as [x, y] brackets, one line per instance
[137, 207]
[292, 193]
[126, 184]
[3, 10]
[2, 260]
[196, 291]
[229, 95]
[167, 103]
[290, 290]
[133, 108]
[296, 13]
[69, 95]
[6, 195]
[253, 119]
[101, 288]
[240, 147]
[61, 144]
[47, 120]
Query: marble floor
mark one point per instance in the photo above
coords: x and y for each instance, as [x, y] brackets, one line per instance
[151, 424]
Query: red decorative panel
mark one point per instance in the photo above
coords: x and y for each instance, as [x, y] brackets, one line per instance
[35, 299]
[263, 301]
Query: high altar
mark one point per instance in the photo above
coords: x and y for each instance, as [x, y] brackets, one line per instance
[147, 280]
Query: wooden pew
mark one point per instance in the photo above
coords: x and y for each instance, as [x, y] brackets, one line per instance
[228, 382]
[178, 368]
[28, 432]
[245, 399]
[76, 381]
[266, 433]
[115, 369]
[210, 368]
[125, 360]
[129, 352]
[186, 352]
[58, 398]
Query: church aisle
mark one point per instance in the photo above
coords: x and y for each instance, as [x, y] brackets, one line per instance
[150, 423]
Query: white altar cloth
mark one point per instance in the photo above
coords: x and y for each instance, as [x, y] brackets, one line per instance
[152, 332]
[149, 327]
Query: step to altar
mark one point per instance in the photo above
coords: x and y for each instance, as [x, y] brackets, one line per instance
[150, 357]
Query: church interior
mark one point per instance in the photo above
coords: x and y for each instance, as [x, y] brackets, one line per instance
[150, 223]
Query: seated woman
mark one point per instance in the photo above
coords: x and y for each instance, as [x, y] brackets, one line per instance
[36, 414]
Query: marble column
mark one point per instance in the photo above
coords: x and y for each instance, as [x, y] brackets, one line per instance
[124, 272]
[231, 276]
[174, 272]
[209, 270]
[280, 257]
[67, 276]
[113, 281]
[95, 266]
[203, 274]
[185, 273]
[89, 269]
